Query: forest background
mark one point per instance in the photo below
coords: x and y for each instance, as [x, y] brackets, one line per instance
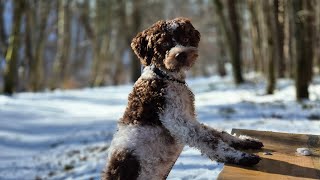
[65, 44]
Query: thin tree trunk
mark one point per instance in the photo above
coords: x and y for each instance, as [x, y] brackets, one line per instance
[317, 38]
[279, 43]
[137, 16]
[286, 39]
[255, 35]
[272, 55]
[236, 42]
[3, 43]
[222, 54]
[60, 67]
[232, 36]
[303, 47]
[291, 40]
[12, 55]
[37, 68]
[99, 46]
[102, 24]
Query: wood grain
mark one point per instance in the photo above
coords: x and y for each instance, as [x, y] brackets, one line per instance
[284, 163]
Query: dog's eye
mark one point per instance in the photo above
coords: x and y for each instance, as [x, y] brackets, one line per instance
[165, 44]
[185, 40]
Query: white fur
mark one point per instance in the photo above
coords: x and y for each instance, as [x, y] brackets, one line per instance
[172, 25]
[243, 137]
[148, 143]
[148, 73]
[179, 118]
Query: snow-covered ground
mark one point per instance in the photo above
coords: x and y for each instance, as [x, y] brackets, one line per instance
[65, 134]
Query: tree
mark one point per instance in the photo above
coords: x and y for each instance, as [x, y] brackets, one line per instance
[36, 64]
[12, 56]
[278, 17]
[136, 24]
[273, 42]
[99, 35]
[3, 44]
[60, 66]
[303, 33]
[255, 35]
[317, 38]
[232, 36]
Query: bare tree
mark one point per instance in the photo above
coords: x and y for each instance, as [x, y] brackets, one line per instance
[136, 25]
[303, 32]
[232, 36]
[255, 35]
[273, 42]
[3, 43]
[12, 56]
[278, 8]
[317, 38]
[60, 66]
[99, 36]
[36, 64]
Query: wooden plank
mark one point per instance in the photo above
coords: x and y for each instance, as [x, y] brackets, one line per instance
[284, 163]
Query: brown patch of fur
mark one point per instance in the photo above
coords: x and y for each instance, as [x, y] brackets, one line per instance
[145, 102]
[152, 44]
[122, 166]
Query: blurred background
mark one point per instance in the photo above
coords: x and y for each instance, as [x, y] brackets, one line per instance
[66, 44]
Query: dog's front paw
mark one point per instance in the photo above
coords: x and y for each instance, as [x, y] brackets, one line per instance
[252, 144]
[247, 143]
[245, 160]
[249, 160]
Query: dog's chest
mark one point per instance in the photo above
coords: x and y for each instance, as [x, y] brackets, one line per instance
[180, 99]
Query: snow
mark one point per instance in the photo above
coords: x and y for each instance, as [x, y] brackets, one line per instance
[66, 134]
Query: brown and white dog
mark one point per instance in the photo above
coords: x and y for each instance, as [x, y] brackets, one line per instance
[160, 116]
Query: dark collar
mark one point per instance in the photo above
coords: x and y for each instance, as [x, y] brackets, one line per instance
[163, 75]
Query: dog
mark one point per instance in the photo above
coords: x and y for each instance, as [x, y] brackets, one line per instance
[160, 117]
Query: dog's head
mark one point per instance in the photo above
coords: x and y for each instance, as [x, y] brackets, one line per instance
[170, 44]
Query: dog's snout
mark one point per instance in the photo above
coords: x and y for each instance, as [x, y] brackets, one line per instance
[181, 56]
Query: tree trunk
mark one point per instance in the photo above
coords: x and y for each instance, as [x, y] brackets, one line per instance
[84, 19]
[271, 39]
[60, 66]
[291, 41]
[303, 46]
[12, 55]
[317, 38]
[232, 36]
[37, 68]
[136, 24]
[279, 23]
[3, 43]
[236, 42]
[100, 38]
[28, 43]
[255, 36]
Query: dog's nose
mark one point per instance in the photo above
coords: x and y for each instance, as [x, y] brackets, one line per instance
[181, 56]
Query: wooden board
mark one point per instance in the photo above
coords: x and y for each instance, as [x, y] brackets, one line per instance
[285, 163]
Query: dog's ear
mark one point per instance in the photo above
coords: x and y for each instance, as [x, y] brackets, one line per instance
[139, 45]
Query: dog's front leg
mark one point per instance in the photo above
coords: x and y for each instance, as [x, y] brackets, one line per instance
[191, 132]
[242, 142]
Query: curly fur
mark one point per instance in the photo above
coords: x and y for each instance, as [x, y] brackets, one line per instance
[160, 116]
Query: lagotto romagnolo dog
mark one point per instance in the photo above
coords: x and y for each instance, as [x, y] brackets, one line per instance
[160, 116]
